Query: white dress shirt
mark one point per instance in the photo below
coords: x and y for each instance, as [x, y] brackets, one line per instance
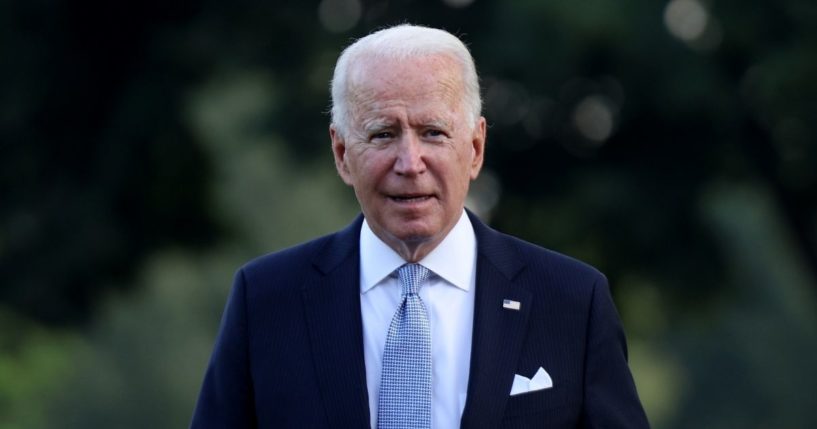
[448, 295]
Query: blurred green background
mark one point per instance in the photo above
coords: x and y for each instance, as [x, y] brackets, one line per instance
[148, 148]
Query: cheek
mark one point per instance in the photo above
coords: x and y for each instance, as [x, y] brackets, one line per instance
[465, 160]
[367, 169]
[356, 160]
[374, 162]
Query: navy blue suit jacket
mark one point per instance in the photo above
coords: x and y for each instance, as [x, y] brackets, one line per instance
[289, 353]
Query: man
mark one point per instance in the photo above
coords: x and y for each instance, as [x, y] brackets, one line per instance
[416, 315]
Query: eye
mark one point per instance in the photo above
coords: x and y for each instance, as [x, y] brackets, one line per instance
[381, 135]
[435, 133]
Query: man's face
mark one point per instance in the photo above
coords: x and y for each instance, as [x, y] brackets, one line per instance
[411, 149]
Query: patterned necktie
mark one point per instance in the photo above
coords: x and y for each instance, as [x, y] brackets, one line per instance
[405, 384]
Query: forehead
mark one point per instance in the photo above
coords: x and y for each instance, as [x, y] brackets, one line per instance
[410, 82]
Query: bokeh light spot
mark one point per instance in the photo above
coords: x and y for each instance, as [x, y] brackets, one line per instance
[690, 22]
[594, 118]
[507, 102]
[338, 16]
[686, 19]
[458, 3]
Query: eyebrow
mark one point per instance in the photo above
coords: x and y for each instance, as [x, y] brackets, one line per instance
[437, 123]
[377, 125]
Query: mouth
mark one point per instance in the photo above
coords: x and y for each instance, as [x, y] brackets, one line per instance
[410, 198]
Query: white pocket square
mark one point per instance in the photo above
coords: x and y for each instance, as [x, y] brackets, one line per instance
[540, 381]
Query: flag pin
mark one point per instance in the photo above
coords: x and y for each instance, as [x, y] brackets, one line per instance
[511, 304]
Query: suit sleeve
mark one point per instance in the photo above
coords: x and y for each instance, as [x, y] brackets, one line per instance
[610, 396]
[226, 398]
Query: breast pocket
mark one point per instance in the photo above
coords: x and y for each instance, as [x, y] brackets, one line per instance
[540, 401]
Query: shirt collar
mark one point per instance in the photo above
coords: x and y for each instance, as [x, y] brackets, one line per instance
[453, 259]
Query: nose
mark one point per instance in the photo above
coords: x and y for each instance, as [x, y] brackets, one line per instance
[409, 160]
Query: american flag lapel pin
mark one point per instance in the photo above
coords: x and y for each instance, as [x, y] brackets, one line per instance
[511, 304]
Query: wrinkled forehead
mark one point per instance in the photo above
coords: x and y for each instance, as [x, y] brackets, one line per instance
[433, 76]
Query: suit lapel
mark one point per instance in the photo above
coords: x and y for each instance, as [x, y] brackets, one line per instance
[331, 299]
[499, 332]
[331, 296]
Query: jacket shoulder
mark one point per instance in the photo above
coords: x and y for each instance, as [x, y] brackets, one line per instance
[516, 257]
[541, 258]
[510, 251]
[321, 254]
[296, 257]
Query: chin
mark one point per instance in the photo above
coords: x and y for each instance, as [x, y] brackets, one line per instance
[413, 234]
[416, 239]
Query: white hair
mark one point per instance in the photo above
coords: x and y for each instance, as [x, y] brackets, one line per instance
[402, 42]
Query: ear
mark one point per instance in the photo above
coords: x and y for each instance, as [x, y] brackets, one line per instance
[478, 147]
[339, 151]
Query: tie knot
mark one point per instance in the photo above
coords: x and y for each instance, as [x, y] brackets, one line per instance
[411, 277]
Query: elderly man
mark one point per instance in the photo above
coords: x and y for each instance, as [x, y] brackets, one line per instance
[417, 315]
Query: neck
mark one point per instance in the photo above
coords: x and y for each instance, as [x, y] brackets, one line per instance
[413, 251]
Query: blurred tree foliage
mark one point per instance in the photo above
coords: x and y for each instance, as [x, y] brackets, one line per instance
[147, 149]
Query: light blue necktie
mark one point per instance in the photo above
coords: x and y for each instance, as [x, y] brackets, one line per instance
[405, 384]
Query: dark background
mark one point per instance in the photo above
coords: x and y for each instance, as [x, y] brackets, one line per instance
[148, 148]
